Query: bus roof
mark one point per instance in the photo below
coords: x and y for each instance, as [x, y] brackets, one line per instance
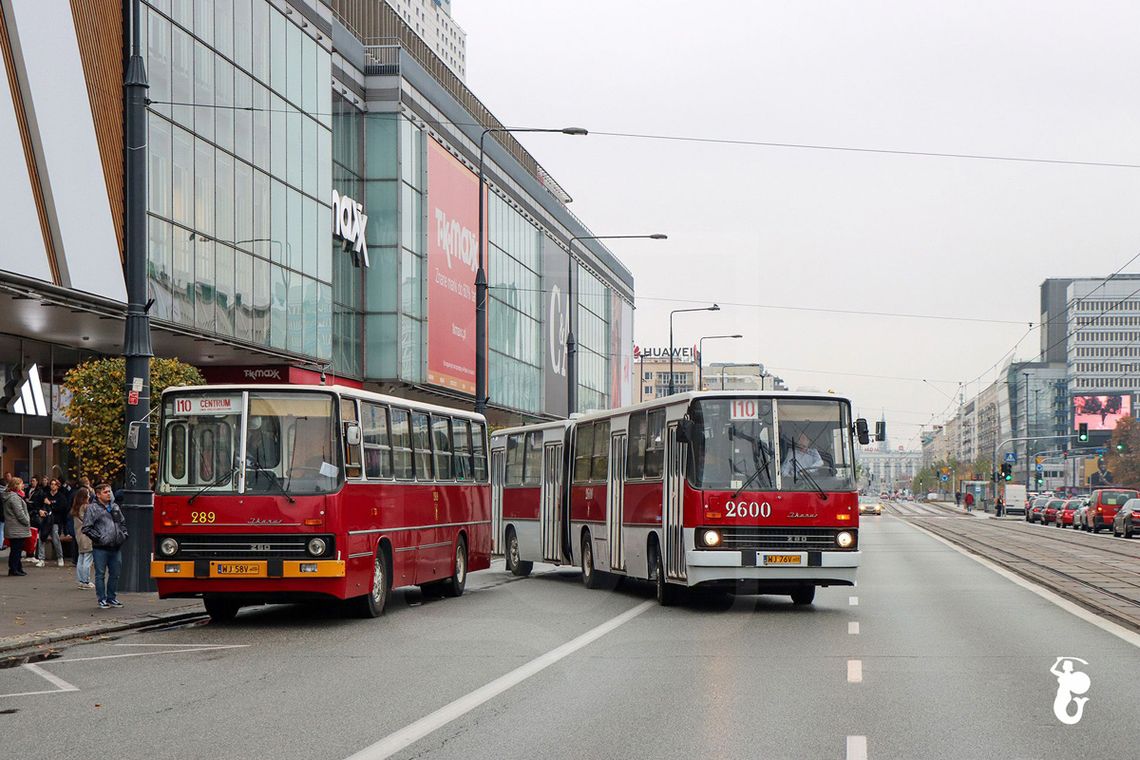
[563, 424]
[341, 390]
[687, 397]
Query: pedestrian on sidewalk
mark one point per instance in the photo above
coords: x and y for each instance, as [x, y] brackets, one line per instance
[103, 524]
[18, 522]
[53, 521]
[80, 503]
[999, 506]
[957, 498]
[969, 502]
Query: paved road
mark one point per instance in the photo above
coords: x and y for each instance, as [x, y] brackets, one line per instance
[950, 660]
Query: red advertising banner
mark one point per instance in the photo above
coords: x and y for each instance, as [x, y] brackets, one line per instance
[452, 259]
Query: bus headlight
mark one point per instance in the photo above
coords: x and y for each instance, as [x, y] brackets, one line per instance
[168, 546]
[317, 546]
[844, 539]
[711, 537]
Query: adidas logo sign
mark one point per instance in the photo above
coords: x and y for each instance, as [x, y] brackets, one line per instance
[28, 396]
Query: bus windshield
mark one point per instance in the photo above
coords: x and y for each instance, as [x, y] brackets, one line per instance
[734, 445]
[290, 443]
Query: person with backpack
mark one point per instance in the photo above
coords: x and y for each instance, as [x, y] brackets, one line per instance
[18, 522]
[103, 523]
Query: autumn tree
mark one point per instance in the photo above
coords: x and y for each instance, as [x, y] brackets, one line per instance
[97, 411]
[1123, 455]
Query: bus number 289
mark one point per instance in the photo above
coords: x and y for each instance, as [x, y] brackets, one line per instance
[747, 509]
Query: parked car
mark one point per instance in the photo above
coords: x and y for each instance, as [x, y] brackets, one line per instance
[1036, 507]
[1069, 511]
[932, 496]
[1079, 515]
[1126, 522]
[869, 505]
[1103, 505]
[1049, 513]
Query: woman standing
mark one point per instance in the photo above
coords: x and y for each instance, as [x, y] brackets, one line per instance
[51, 506]
[17, 524]
[79, 503]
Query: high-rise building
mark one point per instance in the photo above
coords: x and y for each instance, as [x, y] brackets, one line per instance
[432, 21]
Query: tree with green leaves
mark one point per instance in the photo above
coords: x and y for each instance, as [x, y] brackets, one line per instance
[1123, 455]
[97, 411]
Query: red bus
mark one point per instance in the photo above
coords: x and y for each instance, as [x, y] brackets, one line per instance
[750, 492]
[284, 493]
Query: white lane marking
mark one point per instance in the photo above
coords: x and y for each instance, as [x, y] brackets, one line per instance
[854, 671]
[853, 601]
[413, 732]
[152, 654]
[853, 628]
[54, 680]
[1108, 626]
[856, 748]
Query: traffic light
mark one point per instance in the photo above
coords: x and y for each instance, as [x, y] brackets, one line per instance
[1121, 446]
[1007, 472]
[1040, 481]
[1083, 432]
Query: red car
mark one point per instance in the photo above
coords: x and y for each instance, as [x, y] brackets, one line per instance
[1052, 507]
[1103, 505]
[1065, 516]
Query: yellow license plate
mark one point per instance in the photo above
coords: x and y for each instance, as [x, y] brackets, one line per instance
[237, 568]
[782, 559]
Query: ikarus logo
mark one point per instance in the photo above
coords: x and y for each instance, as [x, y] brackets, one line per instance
[26, 394]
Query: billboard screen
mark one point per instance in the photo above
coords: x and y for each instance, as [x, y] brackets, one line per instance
[1100, 412]
[452, 259]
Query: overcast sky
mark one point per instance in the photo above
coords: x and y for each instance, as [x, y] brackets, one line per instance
[752, 226]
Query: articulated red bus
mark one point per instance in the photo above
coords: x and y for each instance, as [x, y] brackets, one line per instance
[271, 493]
[749, 492]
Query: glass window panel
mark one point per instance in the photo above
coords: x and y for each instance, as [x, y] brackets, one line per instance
[204, 20]
[243, 117]
[325, 243]
[295, 339]
[479, 451]
[204, 284]
[159, 175]
[635, 451]
[183, 249]
[243, 34]
[411, 294]
[224, 31]
[461, 435]
[421, 445]
[309, 156]
[279, 248]
[295, 63]
[204, 187]
[583, 452]
[224, 290]
[224, 199]
[263, 242]
[655, 444]
[382, 213]
[204, 91]
[309, 74]
[309, 308]
[244, 206]
[381, 345]
[411, 349]
[279, 136]
[381, 130]
[515, 459]
[260, 31]
[278, 47]
[296, 239]
[377, 441]
[324, 88]
[261, 301]
[158, 61]
[182, 11]
[243, 296]
[182, 76]
[160, 277]
[224, 96]
[441, 443]
[324, 164]
[309, 257]
[532, 468]
[279, 293]
[293, 147]
[601, 451]
[262, 119]
[324, 321]
[401, 445]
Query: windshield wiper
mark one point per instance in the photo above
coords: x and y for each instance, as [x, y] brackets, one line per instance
[810, 479]
[215, 484]
[756, 456]
[274, 479]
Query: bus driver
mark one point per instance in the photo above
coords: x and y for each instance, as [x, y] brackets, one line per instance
[801, 457]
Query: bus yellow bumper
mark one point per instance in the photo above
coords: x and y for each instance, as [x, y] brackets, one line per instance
[257, 568]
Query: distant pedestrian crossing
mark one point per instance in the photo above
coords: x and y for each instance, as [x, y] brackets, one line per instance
[915, 509]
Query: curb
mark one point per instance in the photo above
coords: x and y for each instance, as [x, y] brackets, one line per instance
[15, 644]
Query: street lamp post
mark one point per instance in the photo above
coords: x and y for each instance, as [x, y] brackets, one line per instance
[714, 307]
[571, 343]
[701, 356]
[481, 274]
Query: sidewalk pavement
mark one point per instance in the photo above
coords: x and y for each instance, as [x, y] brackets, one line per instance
[46, 606]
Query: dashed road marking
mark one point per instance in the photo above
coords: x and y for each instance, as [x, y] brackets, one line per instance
[854, 671]
[853, 601]
[853, 628]
[856, 748]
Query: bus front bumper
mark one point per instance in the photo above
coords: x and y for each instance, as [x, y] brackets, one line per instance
[243, 569]
[817, 567]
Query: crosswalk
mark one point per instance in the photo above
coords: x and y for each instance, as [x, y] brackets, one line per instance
[915, 509]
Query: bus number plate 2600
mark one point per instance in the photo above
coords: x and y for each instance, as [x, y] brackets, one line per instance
[236, 568]
[780, 559]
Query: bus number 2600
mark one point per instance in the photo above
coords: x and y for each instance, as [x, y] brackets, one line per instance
[749, 509]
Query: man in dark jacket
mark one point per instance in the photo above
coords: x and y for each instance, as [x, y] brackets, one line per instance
[103, 524]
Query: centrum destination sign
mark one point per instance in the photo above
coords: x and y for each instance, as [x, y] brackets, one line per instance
[207, 405]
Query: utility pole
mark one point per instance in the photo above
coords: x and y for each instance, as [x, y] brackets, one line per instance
[138, 499]
[1025, 401]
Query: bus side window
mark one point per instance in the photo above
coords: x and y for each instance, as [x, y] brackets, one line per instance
[515, 459]
[401, 445]
[600, 470]
[655, 444]
[441, 439]
[377, 446]
[532, 466]
[583, 453]
[421, 443]
[461, 443]
[479, 451]
[348, 416]
[635, 453]
[176, 453]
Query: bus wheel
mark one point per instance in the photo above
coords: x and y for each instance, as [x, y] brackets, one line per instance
[591, 578]
[803, 595]
[221, 610]
[454, 585]
[372, 604]
[667, 593]
[517, 566]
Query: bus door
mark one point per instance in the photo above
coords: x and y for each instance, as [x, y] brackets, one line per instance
[551, 507]
[672, 507]
[615, 501]
[498, 476]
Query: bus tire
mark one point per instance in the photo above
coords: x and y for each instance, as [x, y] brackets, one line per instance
[667, 593]
[518, 567]
[220, 610]
[454, 585]
[591, 578]
[803, 595]
[372, 604]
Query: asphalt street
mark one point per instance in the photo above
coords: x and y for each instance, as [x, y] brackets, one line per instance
[933, 655]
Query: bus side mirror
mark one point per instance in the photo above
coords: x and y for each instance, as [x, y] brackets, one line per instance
[881, 430]
[686, 431]
[352, 434]
[861, 432]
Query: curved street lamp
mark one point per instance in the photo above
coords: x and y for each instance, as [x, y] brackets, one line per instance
[714, 307]
[701, 356]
